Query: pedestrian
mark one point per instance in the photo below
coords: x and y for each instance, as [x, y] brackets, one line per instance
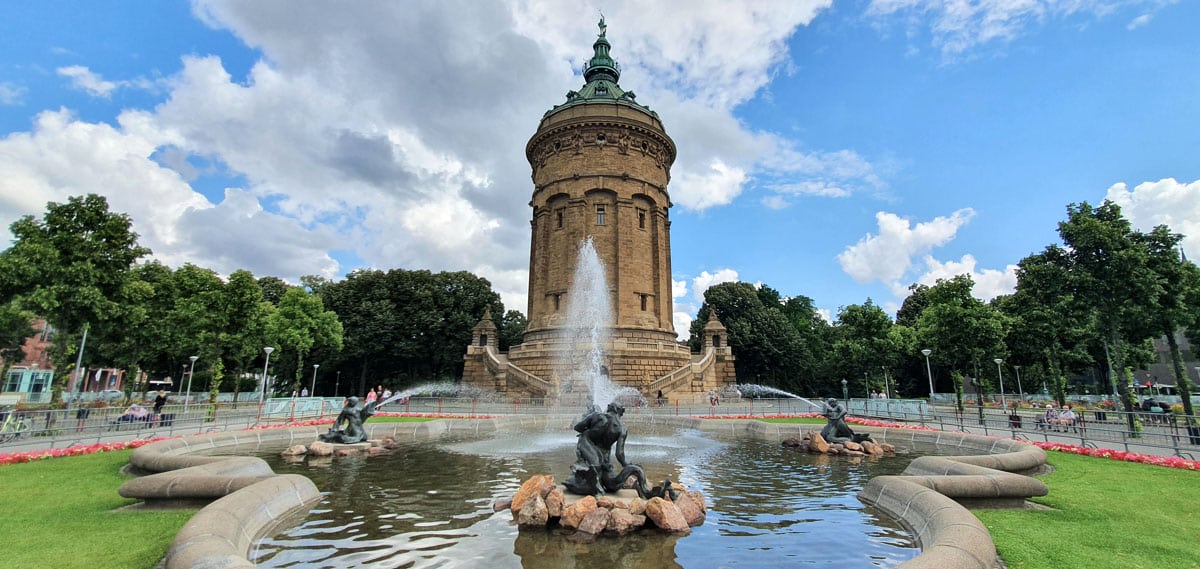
[371, 395]
[304, 392]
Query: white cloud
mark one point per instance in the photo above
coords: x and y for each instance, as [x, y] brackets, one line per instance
[1165, 202]
[84, 79]
[706, 279]
[989, 283]
[11, 94]
[887, 256]
[410, 161]
[678, 288]
[959, 26]
[1138, 22]
[701, 190]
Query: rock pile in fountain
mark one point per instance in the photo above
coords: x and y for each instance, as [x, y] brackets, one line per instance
[542, 503]
[812, 441]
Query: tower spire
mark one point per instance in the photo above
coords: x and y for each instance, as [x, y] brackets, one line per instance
[602, 65]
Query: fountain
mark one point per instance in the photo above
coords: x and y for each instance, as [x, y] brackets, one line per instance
[754, 390]
[588, 325]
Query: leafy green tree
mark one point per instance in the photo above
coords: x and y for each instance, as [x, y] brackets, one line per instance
[864, 345]
[273, 289]
[1110, 273]
[70, 267]
[1178, 281]
[511, 329]
[300, 323]
[959, 329]
[15, 327]
[760, 336]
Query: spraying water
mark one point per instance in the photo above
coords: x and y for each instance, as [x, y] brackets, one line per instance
[445, 389]
[588, 322]
[753, 390]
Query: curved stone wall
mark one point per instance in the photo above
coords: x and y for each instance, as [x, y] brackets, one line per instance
[252, 501]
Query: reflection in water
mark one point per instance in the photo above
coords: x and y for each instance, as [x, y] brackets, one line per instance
[429, 505]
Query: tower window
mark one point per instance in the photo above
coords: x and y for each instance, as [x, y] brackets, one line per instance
[645, 301]
[600, 215]
[641, 218]
[557, 299]
[558, 218]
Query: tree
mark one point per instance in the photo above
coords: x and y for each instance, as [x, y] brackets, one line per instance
[1110, 272]
[760, 336]
[70, 267]
[511, 329]
[1178, 281]
[14, 329]
[300, 323]
[960, 329]
[864, 345]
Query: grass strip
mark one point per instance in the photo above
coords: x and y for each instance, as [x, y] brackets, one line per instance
[63, 513]
[1105, 514]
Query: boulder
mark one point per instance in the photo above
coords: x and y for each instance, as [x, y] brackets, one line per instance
[818, 444]
[345, 451]
[575, 513]
[888, 449]
[872, 448]
[501, 504]
[538, 485]
[793, 442]
[294, 450]
[621, 522]
[320, 449]
[374, 451]
[609, 502]
[666, 515]
[637, 506]
[554, 502]
[851, 445]
[534, 513]
[691, 506]
[595, 521]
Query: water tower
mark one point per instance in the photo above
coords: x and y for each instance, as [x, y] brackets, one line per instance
[601, 162]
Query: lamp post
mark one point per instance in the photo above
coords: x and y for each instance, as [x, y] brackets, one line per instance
[886, 389]
[845, 392]
[267, 362]
[338, 383]
[999, 370]
[929, 373]
[1020, 389]
[312, 390]
[191, 372]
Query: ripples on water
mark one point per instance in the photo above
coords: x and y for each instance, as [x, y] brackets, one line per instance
[429, 506]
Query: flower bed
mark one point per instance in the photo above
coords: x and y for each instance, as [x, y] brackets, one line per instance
[1168, 461]
[79, 450]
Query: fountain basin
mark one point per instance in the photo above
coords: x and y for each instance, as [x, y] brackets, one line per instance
[933, 527]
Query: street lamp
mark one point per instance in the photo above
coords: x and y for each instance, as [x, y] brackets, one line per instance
[845, 392]
[338, 383]
[999, 370]
[263, 393]
[191, 372]
[1020, 389]
[929, 372]
[312, 391]
[886, 389]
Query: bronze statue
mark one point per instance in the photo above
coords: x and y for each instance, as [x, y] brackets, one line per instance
[593, 472]
[353, 416]
[836, 430]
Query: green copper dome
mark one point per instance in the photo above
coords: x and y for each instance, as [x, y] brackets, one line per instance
[601, 73]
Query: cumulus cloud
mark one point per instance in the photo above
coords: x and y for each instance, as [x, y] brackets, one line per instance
[706, 279]
[958, 26]
[1138, 22]
[84, 79]
[414, 160]
[887, 256]
[989, 283]
[1165, 202]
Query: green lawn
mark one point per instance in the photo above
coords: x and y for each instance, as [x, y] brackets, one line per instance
[1105, 514]
[63, 513]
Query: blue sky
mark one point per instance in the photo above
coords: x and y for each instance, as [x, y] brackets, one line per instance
[838, 150]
